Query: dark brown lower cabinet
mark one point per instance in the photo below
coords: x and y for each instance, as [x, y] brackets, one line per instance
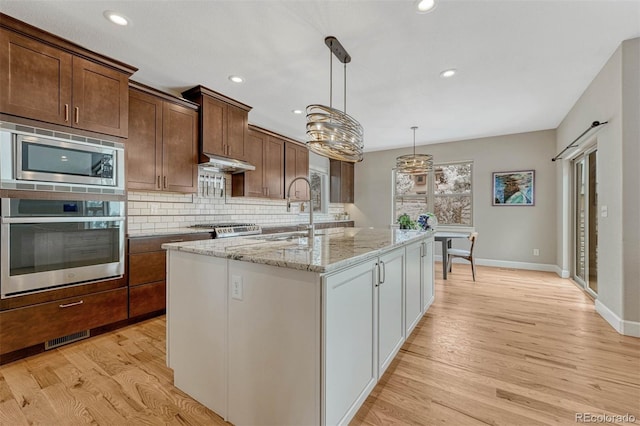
[147, 271]
[147, 298]
[35, 324]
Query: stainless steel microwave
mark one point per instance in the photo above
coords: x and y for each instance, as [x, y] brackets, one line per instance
[32, 158]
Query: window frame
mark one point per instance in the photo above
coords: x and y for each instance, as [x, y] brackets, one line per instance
[431, 196]
[324, 189]
[431, 203]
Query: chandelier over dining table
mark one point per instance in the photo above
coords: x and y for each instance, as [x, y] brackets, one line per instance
[414, 164]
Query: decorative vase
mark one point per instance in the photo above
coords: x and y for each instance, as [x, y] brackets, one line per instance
[427, 221]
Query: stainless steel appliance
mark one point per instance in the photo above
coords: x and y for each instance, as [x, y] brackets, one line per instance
[39, 159]
[228, 165]
[48, 243]
[226, 230]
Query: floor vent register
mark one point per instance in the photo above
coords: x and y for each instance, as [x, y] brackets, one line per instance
[59, 341]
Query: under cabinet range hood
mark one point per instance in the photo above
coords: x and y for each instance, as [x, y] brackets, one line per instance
[227, 165]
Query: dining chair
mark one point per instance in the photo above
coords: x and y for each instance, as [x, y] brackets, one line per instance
[464, 254]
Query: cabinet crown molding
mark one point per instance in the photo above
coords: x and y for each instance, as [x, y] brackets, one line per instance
[197, 91]
[164, 95]
[254, 128]
[12, 24]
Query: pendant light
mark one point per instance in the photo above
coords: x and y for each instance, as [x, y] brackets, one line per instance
[331, 132]
[414, 164]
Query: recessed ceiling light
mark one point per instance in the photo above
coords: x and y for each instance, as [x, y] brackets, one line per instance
[116, 17]
[236, 78]
[297, 111]
[448, 73]
[425, 6]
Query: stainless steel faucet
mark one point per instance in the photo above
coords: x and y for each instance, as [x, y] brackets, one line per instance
[310, 227]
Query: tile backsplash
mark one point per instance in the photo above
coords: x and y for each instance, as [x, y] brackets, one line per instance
[162, 210]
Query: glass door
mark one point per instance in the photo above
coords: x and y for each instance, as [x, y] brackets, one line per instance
[585, 204]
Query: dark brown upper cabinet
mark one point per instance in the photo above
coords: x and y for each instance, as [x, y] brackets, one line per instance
[266, 152]
[46, 78]
[100, 98]
[296, 164]
[223, 124]
[341, 175]
[162, 149]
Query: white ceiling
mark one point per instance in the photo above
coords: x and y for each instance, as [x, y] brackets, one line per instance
[521, 64]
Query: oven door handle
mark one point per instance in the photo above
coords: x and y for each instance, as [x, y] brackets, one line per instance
[63, 219]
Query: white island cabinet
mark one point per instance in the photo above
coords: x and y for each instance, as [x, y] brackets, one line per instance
[271, 330]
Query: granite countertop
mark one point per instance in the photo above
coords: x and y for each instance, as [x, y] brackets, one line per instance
[332, 249]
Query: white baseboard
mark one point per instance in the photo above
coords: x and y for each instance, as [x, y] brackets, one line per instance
[562, 273]
[609, 316]
[628, 328]
[510, 264]
[631, 328]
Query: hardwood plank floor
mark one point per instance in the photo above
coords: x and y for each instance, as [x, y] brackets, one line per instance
[513, 348]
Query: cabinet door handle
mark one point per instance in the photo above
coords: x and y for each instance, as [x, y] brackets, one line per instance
[421, 249]
[165, 182]
[66, 112]
[68, 305]
[77, 114]
[377, 270]
[384, 272]
[159, 182]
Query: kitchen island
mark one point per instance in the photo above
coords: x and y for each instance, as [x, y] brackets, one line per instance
[273, 330]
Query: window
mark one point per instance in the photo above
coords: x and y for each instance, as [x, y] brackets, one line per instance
[452, 194]
[447, 192]
[319, 191]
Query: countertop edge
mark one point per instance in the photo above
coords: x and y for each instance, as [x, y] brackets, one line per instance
[189, 247]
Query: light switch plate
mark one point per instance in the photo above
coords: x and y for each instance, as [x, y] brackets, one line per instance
[604, 211]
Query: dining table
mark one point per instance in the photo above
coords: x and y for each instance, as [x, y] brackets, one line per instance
[445, 238]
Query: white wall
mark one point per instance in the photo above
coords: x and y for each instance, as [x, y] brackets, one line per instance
[506, 233]
[613, 96]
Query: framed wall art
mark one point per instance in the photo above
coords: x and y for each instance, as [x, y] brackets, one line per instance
[514, 188]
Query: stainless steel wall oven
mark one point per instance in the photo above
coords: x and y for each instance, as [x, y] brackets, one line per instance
[47, 243]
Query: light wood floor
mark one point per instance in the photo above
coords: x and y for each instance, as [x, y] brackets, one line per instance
[513, 348]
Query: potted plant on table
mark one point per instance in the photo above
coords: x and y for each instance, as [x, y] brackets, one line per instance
[405, 222]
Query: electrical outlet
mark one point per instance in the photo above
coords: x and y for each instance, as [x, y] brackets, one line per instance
[536, 252]
[236, 287]
[153, 207]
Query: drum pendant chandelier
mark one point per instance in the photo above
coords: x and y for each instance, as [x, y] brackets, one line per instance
[414, 164]
[331, 132]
